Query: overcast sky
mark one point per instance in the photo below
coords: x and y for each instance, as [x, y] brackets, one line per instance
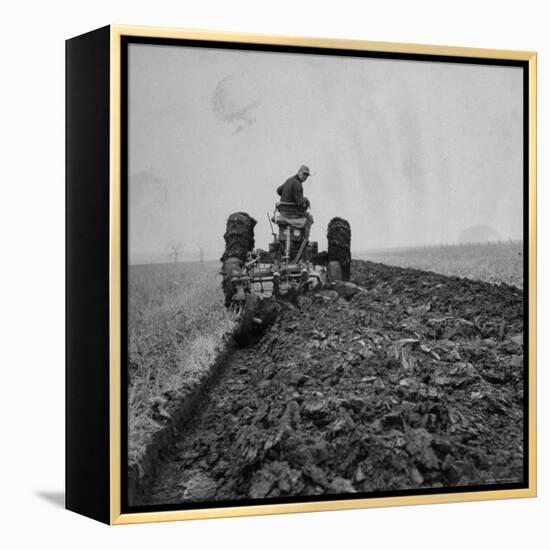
[410, 152]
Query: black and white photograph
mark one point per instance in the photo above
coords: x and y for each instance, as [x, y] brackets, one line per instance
[325, 275]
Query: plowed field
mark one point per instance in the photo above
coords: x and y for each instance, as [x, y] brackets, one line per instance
[409, 380]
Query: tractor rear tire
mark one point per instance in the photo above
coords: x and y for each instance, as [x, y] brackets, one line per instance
[239, 236]
[334, 272]
[239, 241]
[231, 268]
[245, 329]
[339, 251]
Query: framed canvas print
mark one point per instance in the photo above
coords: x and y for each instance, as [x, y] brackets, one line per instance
[300, 274]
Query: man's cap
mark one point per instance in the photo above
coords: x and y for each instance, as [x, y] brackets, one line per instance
[305, 169]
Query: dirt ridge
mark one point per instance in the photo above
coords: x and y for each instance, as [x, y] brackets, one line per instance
[177, 413]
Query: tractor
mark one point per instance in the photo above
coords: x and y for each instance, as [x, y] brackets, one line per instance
[256, 281]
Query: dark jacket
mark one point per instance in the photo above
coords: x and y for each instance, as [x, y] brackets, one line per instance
[292, 191]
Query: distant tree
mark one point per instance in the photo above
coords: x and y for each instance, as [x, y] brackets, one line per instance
[174, 249]
[201, 254]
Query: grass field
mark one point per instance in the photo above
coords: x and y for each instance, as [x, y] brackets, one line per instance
[176, 323]
[491, 262]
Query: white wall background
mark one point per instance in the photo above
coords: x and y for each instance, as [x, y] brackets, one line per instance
[32, 233]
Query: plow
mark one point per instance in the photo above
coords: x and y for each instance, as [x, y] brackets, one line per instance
[257, 281]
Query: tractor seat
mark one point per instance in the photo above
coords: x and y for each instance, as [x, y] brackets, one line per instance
[283, 220]
[288, 213]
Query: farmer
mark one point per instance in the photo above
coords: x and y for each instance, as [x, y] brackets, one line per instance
[293, 201]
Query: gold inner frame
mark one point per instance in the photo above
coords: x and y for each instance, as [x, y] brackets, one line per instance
[117, 518]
